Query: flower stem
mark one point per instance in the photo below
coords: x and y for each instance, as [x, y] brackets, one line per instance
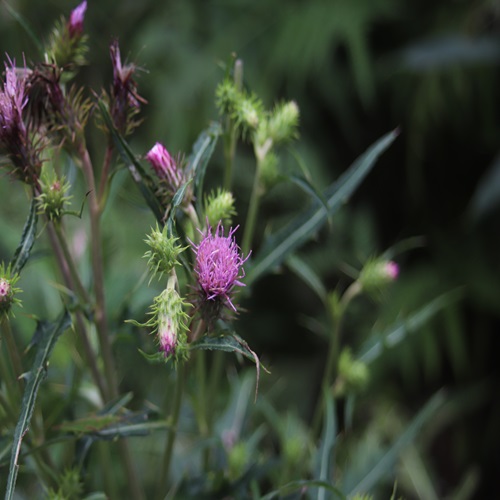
[231, 131]
[331, 366]
[172, 431]
[253, 209]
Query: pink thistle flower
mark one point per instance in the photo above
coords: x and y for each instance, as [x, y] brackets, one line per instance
[219, 265]
[165, 166]
[75, 23]
[167, 334]
[4, 290]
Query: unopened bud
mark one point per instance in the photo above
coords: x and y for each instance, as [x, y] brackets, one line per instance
[283, 122]
[53, 197]
[7, 290]
[377, 274]
[76, 18]
[219, 206]
[162, 257]
[353, 374]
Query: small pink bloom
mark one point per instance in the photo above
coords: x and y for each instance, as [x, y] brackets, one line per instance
[165, 166]
[219, 265]
[75, 23]
[167, 335]
[391, 270]
[12, 101]
[4, 289]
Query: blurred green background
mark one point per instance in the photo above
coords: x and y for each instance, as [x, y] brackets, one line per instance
[357, 69]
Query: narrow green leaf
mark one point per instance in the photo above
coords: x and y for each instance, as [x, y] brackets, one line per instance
[308, 276]
[384, 465]
[176, 203]
[308, 188]
[143, 180]
[50, 334]
[324, 468]
[26, 26]
[157, 357]
[287, 239]
[28, 236]
[375, 346]
[202, 151]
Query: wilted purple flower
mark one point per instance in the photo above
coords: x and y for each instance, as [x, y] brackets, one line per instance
[219, 265]
[75, 23]
[165, 166]
[12, 101]
[125, 101]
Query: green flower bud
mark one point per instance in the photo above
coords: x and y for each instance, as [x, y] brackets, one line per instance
[52, 199]
[377, 273]
[219, 206]
[7, 290]
[283, 122]
[226, 97]
[162, 257]
[353, 374]
[269, 173]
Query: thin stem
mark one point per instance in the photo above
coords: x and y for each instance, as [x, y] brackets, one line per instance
[103, 183]
[172, 431]
[98, 275]
[65, 268]
[14, 357]
[331, 366]
[100, 310]
[253, 209]
[231, 134]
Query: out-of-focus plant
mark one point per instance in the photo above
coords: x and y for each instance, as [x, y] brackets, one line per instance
[57, 439]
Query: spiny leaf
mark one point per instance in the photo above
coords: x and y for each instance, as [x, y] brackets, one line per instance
[28, 236]
[279, 245]
[51, 333]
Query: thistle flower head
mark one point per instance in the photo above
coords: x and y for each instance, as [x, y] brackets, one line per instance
[75, 22]
[165, 166]
[163, 253]
[125, 100]
[170, 323]
[53, 197]
[219, 266]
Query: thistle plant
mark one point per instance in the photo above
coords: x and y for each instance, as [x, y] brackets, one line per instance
[202, 256]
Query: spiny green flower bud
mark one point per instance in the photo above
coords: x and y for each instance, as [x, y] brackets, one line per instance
[169, 322]
[227, 97]
[353, 374]
[293, 449]
[283, 122]
[162, 257]
[7, 289]
[52, 199]
[377, 273]
[219, 206]
[269, 173]
[248, 113]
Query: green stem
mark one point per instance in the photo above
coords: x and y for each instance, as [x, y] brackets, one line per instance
[331, 367]
[231, 134]
[172, 432]
[253, 209]
[100, 311]
[70, 276]
[12, 350]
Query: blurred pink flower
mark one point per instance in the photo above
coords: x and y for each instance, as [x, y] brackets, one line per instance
[165, 166]
[75, 23]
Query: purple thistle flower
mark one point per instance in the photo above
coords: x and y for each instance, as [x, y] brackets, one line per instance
[165, 166]
[167, 334]
[12, 101]
[391, 270]
[219, 265]
[75, 23]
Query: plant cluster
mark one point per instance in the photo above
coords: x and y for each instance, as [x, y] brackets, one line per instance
[203, 274]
